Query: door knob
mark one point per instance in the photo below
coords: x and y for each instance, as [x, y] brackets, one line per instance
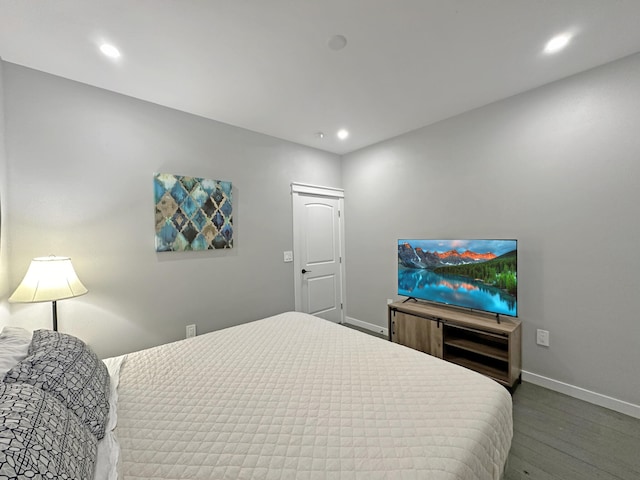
[305, 271]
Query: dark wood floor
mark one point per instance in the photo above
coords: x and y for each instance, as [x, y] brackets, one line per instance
[557, 437]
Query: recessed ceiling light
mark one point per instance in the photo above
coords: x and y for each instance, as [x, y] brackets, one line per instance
[557, 43]
[342, 134]
[109, 50]
[320, 134]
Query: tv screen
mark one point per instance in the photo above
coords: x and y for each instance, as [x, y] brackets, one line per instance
[475, 274]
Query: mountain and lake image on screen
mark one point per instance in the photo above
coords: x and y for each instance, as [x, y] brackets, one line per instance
[475, 274]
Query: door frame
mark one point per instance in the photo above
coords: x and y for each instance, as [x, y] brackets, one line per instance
[298, 189]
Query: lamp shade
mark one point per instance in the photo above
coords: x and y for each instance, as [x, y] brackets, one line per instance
[48, 279]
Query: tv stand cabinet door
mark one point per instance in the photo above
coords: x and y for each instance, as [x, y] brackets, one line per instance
[417, 333]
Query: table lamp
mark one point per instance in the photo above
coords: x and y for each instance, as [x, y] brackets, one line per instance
[49, 279]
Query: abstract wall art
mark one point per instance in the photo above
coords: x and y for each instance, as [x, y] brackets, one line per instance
[192, 213]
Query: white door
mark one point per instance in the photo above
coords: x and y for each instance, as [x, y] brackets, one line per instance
[318, 251]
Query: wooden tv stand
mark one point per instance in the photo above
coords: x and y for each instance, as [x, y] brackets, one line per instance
[472, 339]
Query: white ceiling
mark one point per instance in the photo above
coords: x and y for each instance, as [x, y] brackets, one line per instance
[265, 65]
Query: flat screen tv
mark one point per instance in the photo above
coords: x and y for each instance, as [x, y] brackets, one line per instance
[475, 274]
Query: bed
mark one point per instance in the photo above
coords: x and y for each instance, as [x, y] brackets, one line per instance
[294, 396]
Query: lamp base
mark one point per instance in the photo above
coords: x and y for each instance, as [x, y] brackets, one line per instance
[55, 316]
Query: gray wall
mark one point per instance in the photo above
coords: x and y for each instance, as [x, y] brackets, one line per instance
[4, 251]
[557, 168]
[80, 166]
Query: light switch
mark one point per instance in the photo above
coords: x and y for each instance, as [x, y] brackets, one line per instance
[288, 256]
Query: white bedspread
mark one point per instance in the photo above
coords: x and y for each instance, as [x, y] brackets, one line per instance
[297, 397]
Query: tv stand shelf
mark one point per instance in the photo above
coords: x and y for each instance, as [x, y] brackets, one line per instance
[471, 339]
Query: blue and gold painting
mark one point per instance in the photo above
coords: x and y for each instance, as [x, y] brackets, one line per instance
[192, 213]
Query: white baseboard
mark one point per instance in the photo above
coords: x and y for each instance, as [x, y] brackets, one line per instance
[367, 326]
[583, 394]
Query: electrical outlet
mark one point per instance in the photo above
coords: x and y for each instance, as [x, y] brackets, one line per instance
[191, 330]
[389, 301]
[542, 337]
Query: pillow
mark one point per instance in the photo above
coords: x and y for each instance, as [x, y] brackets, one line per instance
[68, 369]
[14, 346]
[108, 447]
[40, 438]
